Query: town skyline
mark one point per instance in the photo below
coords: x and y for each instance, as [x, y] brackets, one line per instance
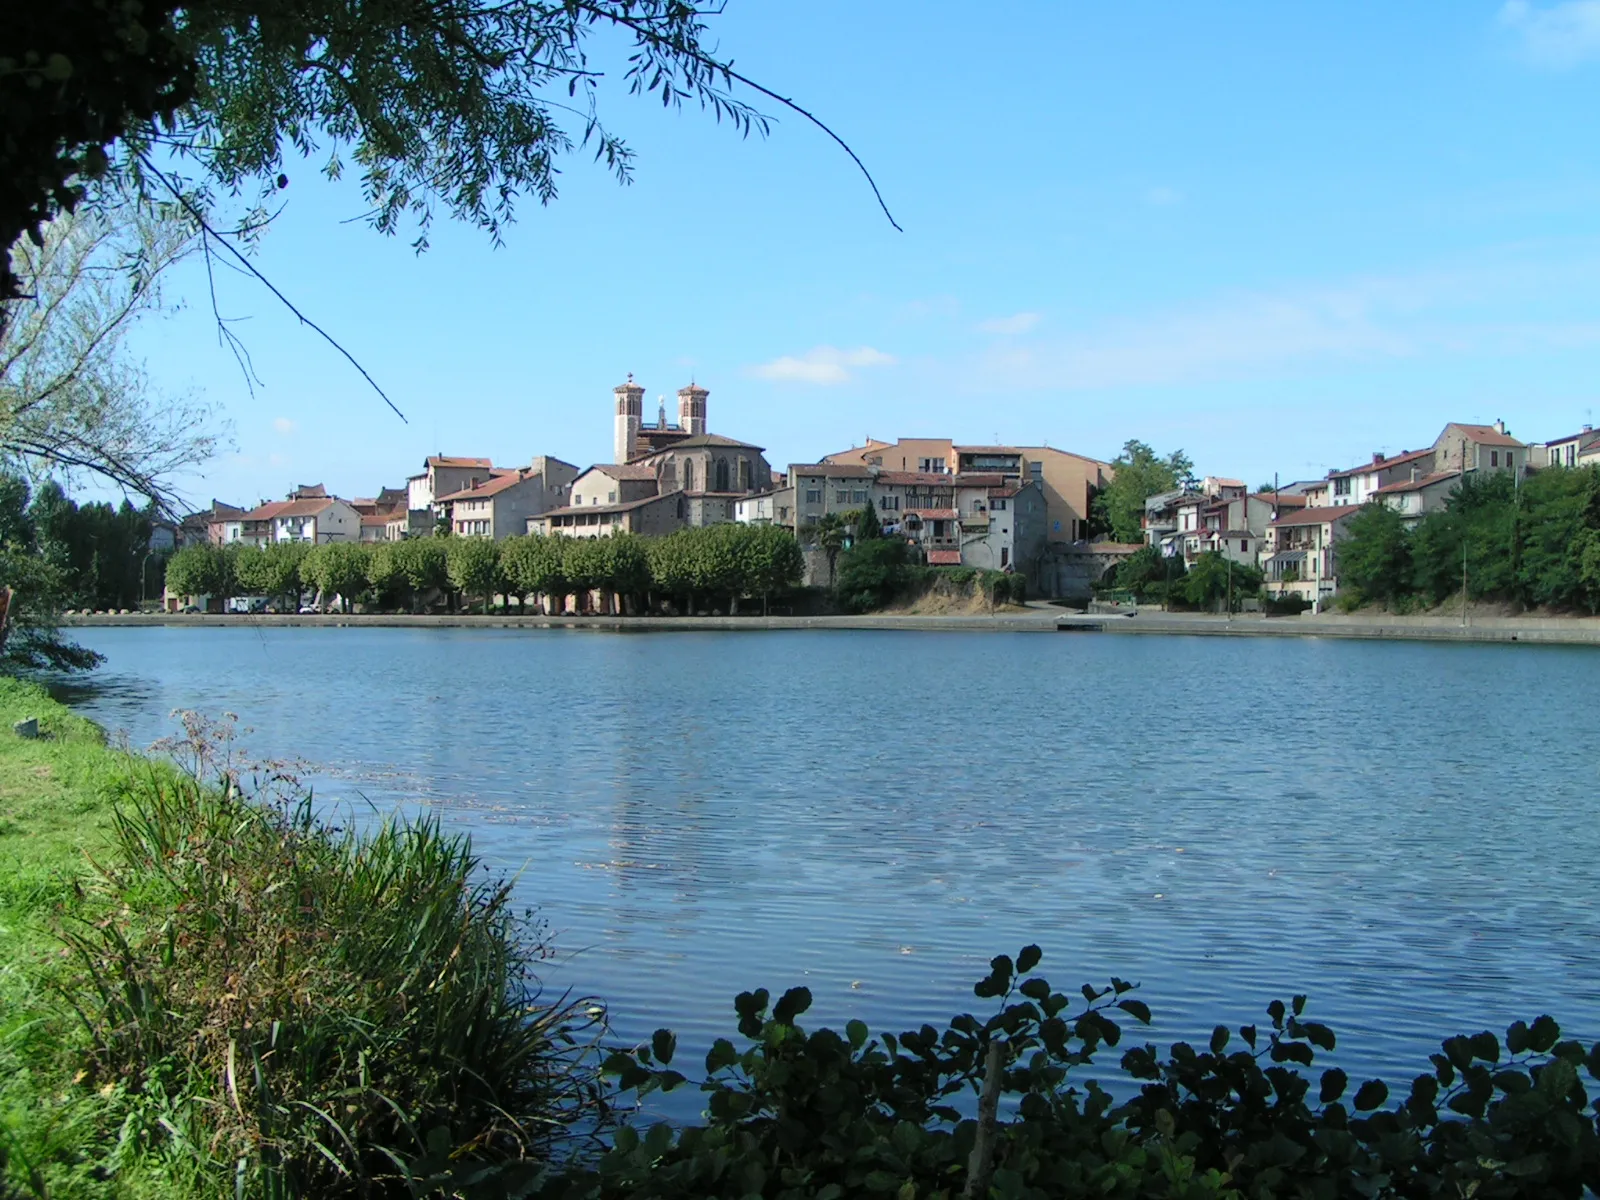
[1260, 236]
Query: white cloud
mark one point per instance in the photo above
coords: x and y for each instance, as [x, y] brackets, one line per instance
[825, 365]
[284, 425]
[1163, 197]
[1562, 35]
[1460, 311]
[1022, 322]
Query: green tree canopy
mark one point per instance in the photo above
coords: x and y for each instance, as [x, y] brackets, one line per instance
[1140, 474]
[872, 573]
[868, 525]
[1375, 554]
[336, 569]
[200, 570]
[474, 567]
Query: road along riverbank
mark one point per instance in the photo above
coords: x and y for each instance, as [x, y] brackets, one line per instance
[1039, 618]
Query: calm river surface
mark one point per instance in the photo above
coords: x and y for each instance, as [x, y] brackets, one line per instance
[1407, 832]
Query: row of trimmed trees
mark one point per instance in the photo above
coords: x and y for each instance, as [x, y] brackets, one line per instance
[716, 566]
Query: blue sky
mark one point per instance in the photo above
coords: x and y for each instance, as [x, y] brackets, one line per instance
[1280, 237]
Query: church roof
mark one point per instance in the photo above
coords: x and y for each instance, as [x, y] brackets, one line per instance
[715, 441]
[633, 470]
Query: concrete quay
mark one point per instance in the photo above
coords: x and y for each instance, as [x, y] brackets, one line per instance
[1038, 618]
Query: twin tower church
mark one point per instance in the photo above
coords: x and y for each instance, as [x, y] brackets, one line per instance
[685, 456]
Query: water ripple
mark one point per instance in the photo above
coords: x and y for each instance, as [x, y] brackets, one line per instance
[1403, 831]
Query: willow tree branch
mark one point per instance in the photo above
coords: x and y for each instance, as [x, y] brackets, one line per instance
[645, 31]
[205, 226]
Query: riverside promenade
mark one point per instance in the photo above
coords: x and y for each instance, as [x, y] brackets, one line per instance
[1036, 617]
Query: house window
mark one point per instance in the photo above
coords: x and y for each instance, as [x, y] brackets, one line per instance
[998, 504]
[1005, 556]
[1244, 546]
[783, 513]
[1341, 486]
[744, 474]
[1572, 453]
[687, 467]
[1036, 470]
[890, 503]
[931, 466]
[1494, 458]
[840, 496]
[722, 475]
[813, 495]
[611, 497]
[858, 497]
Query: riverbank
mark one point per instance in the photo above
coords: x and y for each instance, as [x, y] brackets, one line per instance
[1036, 618]
[55, 813]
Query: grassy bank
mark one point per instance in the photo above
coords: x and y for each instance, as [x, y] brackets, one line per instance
[206, 991]
[60, 1133]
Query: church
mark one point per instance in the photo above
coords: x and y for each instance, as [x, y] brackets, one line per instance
[664, 476]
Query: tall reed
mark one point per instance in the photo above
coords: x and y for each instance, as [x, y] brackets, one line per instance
[310, 1011]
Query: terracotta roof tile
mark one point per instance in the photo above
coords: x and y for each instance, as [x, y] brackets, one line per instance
[944, 558]
[1322, 514]
[1487, 435]
[1415, 485]
[1383, 464]
[933, 514]
[449, 460]
[832, 470]
[622, 471]
[493, 487]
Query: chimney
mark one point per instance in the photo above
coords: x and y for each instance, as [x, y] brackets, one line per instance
[1588, 428]
[1499, 425]
[1413, 472]
[1377, 456]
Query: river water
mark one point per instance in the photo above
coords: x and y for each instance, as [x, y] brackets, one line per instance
[1406, 832]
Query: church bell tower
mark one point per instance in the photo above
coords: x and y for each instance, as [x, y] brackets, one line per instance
[630, 410]
[692, 409]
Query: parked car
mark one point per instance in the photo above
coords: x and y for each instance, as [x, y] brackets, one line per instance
[309, 609]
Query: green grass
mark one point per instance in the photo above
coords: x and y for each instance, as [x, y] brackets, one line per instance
[61, 1136]
[206, 993]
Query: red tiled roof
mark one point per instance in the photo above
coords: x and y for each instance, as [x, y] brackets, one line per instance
[1229, 483]
[1282, 500]
[944, 558]
[449, 460]
[1487, 435]
[265, 512]
[304, 508]
[1417, 484]
[1323, 514]
[1004, 493]
[831, 470]
[1383, 464]
[933, 514]
[573, 509]
[927, 479]
[497, 484]
[377, 520]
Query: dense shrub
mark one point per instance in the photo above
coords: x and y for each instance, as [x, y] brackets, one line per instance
[1289, 604]
[307, 1012]
[833, 1114]
[872, 573]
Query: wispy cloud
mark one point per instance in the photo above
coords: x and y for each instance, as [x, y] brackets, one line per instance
[1452, 312]
[1023, 322]
[1558, 36]
[824, 365]
[284, 425]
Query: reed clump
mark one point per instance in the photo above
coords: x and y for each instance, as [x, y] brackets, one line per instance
[306, 1010]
